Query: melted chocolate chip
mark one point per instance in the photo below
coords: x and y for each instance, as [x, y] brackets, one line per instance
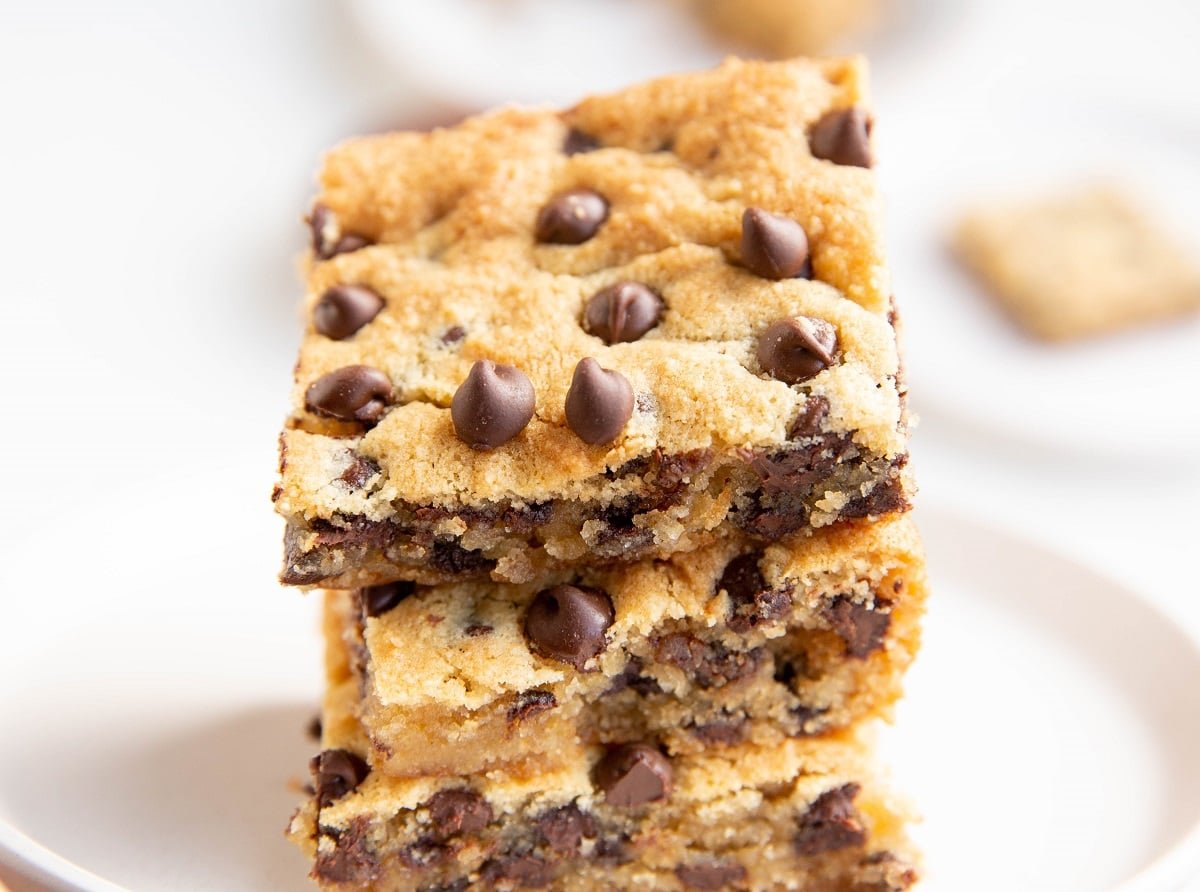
[454, 812]
[578, 142]
[343, 309]
[622, 312]
[796, 348]
[753, 603]
[631, 677]
[808, 719]
[773, 246]
[720, 733]
[524, 871]
[710, 877]
[352, 393]
[453, 334]
[379, 599]
[633, 774]
[564, 829]
[830, 823]
[531, 703]
[862, 628]
[843, 137]
[477, 630]
[709, 665]
[492, 406]
[599, 403]
[352, 859]
[336, 773]
[571, 218]
[568, 623]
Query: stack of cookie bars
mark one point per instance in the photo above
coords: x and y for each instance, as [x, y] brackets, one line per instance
[598, 449]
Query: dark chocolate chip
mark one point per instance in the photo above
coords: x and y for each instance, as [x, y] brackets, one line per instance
[313, 728]
[344, 309]
[352, 859]
[830, 823]
[773, 246]
[578, 142]
[796, 348]
[754, 604]
[452, 558]
[524, 871]
[531, 703]
[720, 733]
[843, 137]
[631, 677]
[477, 630]
[352, 393]
[359, 471]
[564, 829]
[379, 599]
[709, 665]
[633, 774]
[568, 623]
[622, 312]
[336, 773]
[453, 334]
[710, 877]
[599, 403]
[741, 578]
[571, 218]
[492, 406]
[454, 812]
[862, 628]
[326, 240]
[812, 416]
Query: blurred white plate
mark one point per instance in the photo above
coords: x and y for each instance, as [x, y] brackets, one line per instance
[153, 719]
[1130, 395]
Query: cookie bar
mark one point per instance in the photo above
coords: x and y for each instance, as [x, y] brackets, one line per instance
[1080, 263]
[801, 816]
[729, 645]
[785, 28]
[618, 332]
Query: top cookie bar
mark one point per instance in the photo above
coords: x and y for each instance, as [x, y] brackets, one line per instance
[610, 333]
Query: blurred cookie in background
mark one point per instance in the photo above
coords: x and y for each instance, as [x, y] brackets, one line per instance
[1076, 263]
[788, 27]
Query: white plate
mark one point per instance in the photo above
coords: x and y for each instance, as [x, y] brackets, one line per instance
[151, 727]
[1128, 395]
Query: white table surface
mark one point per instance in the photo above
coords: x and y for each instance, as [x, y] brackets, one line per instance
[157, 159]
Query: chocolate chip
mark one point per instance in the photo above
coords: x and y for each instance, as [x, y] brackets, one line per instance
[710, 877]
[631, 677]
[633, 774]
[326, 240]
[741, 578]
[808, 719]
[564, 829]
[360, 470]
[531, 703]
[599, 403]
[492, 406]
[525, 871]
[313, 728]
[862, 628]
[720, 733]
[830, 823]
[796, 348]
[453, 334]
[352, 860]
[571, 218]
[843, 137]
[773, 246]
[477, 630]
[379, 599]
[352, 393]
[622, 312]
[578, 142]
[336, 773]
[709, 665]
[568, 623]
[812, 416]
[344, 309]
[454, 812]
[754, 603]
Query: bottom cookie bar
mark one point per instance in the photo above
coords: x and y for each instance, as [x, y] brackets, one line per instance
[802, 815]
